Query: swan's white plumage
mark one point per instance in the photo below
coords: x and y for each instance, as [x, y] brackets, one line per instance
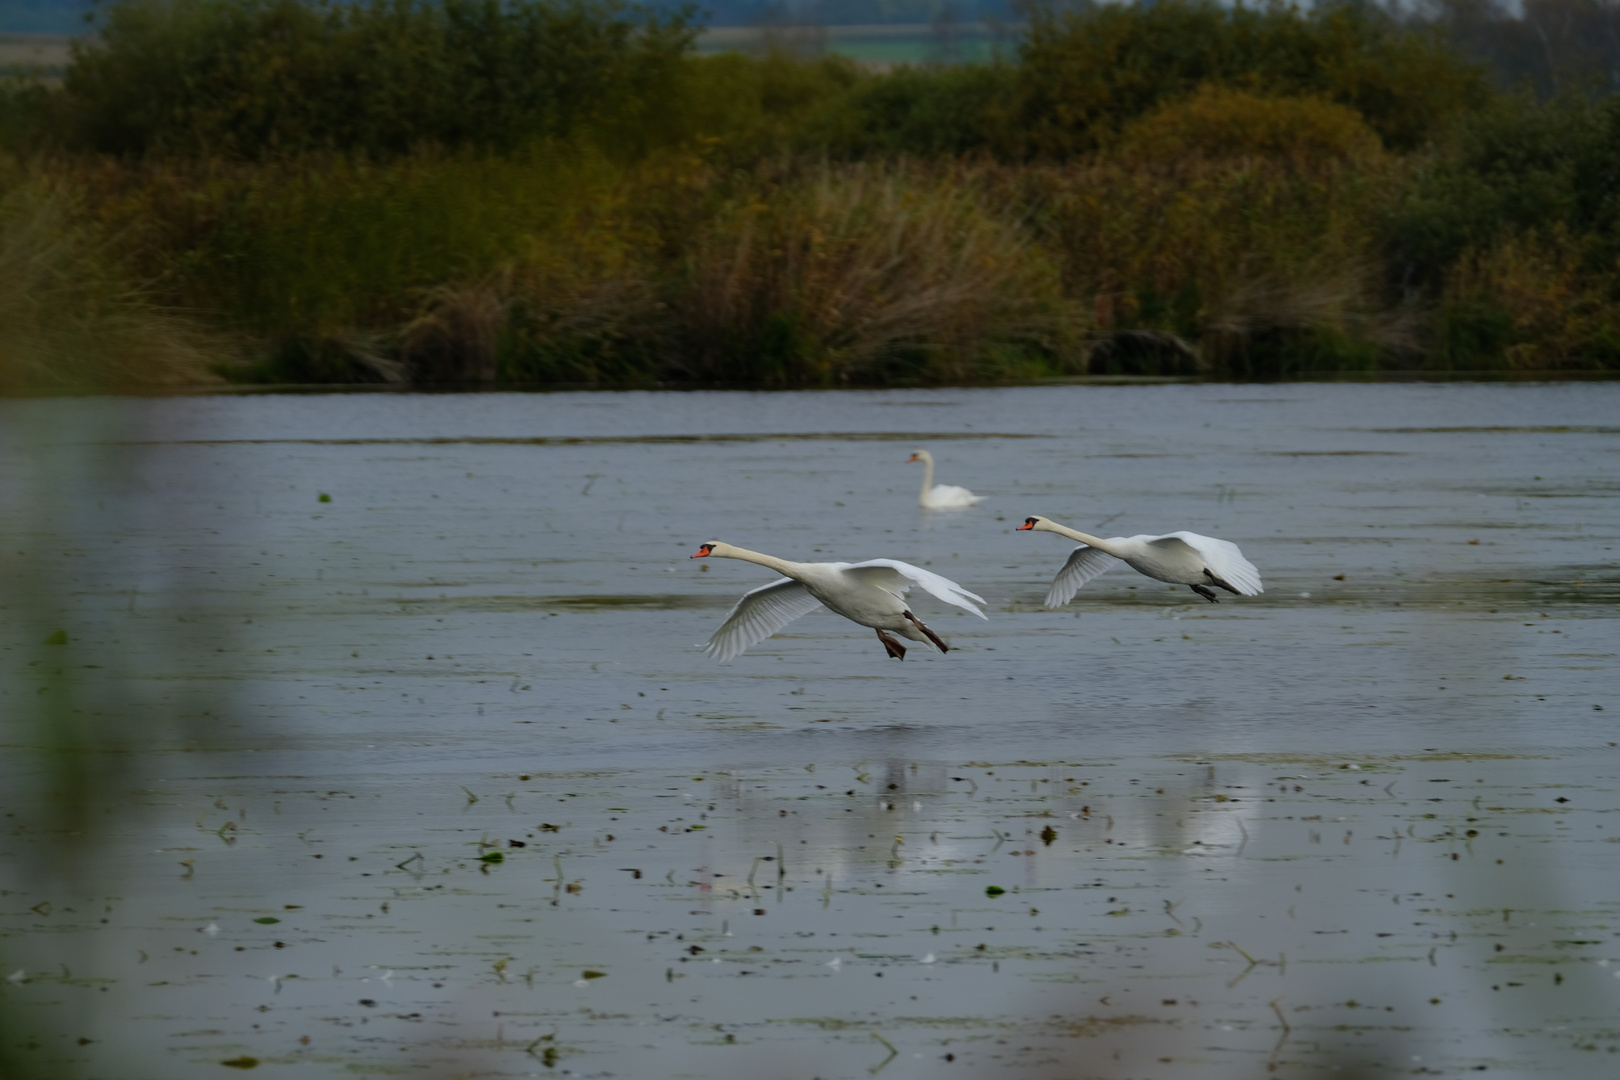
[950, 497]
[870, 593]
[897, 577]
[1227, 562]
[1180, 558]
[941, 496]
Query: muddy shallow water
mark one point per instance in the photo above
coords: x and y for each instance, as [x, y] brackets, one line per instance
[379, 742]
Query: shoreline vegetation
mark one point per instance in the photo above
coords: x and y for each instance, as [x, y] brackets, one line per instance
[478, 192]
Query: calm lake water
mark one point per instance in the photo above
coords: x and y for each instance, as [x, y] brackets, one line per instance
[379, 741]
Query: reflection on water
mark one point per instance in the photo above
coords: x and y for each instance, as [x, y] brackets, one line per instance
[379, 741]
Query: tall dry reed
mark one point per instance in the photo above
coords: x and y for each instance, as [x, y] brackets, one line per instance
[67, 321]
[847, 274]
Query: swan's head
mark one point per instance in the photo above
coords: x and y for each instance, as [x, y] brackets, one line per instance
[1031, 523]
[920, 455]
[705, 550]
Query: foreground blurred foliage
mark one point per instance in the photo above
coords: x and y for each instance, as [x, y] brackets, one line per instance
[477, 190]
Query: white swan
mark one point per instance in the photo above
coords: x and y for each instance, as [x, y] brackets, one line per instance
[945, 496]
[871, 593]
[1181, 558]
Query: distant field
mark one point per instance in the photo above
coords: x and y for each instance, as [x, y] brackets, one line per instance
[24, 51]
[878, 46]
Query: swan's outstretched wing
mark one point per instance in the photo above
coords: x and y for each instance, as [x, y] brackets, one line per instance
[1084, 563]
[760, 613]
[898, 578]
[1225, 560]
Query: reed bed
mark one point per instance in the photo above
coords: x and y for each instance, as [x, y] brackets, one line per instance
[68, 321]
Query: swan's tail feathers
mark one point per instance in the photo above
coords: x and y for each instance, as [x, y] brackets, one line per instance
[948, 497]
[760, 613]
[1230, 569]
[1084, 563]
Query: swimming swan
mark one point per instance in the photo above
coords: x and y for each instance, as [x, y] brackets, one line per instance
[870, 593]
[945, 496]
[1181, 558]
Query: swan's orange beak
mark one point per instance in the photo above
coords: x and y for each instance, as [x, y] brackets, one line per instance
[1029, 523]
[703, 551]
[912, 458]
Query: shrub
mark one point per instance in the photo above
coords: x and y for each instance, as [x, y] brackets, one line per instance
[1518, 169]
[312, 245]
[379, 77]
[1526, 304]
[28, 110]
[1087, 72]
[1194, 264]
[743, 106]
[1218, 122]
[918, 111]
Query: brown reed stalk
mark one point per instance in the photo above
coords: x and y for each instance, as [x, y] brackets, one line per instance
[68, 321]
[840, 271]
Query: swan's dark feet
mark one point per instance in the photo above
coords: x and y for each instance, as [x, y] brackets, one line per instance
[1218, 583]
[931, 635]
[1205, 593]
[896, 650]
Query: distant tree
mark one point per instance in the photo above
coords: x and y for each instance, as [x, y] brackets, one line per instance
[380, 77]
[1087, 70]
[1550, 45]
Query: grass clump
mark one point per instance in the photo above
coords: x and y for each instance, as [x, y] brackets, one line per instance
[68, 320]
[869, 274]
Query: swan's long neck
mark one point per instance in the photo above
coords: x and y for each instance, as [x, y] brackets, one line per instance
[928, 474]
[1107, 547]
[781, 566]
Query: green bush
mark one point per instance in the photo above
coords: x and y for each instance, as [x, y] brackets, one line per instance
[1085, 73]
[257, 78]
[917, 111]
[27, 114]
[1219, 122]
[742, 107]
[1519, 168]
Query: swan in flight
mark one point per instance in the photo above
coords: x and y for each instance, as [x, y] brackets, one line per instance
[945, 496]
[871, 593]
[1181, 558]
